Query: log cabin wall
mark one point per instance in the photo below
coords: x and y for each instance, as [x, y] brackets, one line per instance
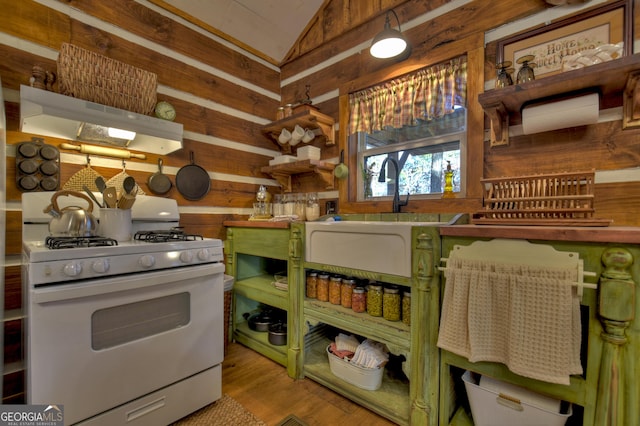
[223, 96]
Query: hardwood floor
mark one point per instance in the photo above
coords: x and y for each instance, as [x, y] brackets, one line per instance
[265, 389]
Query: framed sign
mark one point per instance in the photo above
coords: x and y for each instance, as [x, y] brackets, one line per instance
[608, 24]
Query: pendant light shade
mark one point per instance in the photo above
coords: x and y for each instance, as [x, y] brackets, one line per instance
[389, 42]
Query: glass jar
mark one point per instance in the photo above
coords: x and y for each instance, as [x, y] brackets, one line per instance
[288, 110]
[312, 211]
[300, 206]
[346, 292]
[335, 285]
[406, 307]
[280, 113]
[312, 285]
[278, 206]
[359, 300]
[391, 303]
[322, 287]
[289, 202]
[374, 299]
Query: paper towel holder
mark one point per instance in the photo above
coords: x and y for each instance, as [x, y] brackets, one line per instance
[569, 110]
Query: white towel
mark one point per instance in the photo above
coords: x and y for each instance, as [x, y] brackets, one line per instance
[527, 318]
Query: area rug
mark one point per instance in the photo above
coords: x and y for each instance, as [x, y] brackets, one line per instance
[224, 412]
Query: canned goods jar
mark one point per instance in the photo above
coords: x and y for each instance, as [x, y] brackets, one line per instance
[359, 300]
[406, 307]
[391, 303]
[374, 300]
[288, 110]
[335, 284]
[280, 113]
[312, 285]
[322, 287]
[346, 292]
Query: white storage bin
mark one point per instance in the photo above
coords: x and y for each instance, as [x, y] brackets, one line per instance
[308, 153]
[365, 378]
[494, 403]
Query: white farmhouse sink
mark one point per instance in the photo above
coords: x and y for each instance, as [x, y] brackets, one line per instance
[383, 247]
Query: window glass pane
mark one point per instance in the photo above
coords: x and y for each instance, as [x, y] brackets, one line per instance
[422, 153]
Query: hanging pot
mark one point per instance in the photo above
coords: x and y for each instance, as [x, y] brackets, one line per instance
[71, 221]
[192, 181]
[159, 183]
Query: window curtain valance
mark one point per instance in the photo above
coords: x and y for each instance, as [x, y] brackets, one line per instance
[425, 94]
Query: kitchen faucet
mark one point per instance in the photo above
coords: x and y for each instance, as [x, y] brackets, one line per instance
[397, 204]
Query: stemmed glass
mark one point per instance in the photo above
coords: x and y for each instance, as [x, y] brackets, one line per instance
[504, 74]
[526, 71]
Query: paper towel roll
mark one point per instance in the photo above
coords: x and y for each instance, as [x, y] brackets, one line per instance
[578, 111]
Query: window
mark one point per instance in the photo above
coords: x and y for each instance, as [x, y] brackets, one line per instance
[419, 121]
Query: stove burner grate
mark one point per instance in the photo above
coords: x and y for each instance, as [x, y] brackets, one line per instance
[56, 243]
[165, 235]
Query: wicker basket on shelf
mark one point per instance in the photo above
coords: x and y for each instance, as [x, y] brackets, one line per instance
[93, 77]
[545, 199]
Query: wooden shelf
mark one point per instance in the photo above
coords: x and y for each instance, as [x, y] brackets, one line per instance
[612, 80]
[308, 118]
[283, 172]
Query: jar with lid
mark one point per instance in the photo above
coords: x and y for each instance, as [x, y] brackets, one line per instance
[280, 113]
[312, 210]
[312, 284]
[359, 300]
[322, 287]
[288, 110]
[300, 206]
[406, 307]
[346, 291]
[335, 284]
[374, 299]
[391, 303]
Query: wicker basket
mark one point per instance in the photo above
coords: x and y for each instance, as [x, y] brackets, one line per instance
[550, 199]
[90, 76]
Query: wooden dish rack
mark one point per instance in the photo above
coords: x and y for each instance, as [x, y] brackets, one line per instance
[545, 199]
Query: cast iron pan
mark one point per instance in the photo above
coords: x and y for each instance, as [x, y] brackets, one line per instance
[158, 182]
[192, 181]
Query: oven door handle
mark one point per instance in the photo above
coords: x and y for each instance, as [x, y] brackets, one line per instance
[124, 283]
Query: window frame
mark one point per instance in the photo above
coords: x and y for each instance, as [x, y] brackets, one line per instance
[473, 47]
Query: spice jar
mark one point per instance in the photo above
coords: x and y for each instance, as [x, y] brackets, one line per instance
[358, 300]
[312, 283]
[391, 304]
[280, 113]
[406, 307]
[322, 287]
[346, 292]
[335, 284]
[374, 299]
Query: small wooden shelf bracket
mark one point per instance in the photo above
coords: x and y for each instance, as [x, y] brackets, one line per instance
[631, 102]
[499, 118]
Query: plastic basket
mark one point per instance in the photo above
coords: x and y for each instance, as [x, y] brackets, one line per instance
[365, 378]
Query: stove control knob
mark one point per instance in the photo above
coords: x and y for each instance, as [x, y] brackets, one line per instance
[100, 266]
[204, 255]
[147, 261]
[72, 269]
[186, 257]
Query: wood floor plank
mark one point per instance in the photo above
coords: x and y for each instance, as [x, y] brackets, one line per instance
[265, 389]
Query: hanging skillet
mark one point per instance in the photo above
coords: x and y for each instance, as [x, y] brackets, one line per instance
[192, 181]
[159, 183]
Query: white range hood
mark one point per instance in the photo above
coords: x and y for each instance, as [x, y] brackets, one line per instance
[51, 114]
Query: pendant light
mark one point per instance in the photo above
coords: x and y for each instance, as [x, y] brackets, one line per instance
[389, 42]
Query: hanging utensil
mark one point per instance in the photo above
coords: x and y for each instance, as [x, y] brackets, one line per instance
[341, 171]
[192, 181]
[158, 182]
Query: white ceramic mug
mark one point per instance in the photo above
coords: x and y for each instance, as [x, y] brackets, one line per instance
[308, 136]
[285, 136]
[116, 224]
[297, 135]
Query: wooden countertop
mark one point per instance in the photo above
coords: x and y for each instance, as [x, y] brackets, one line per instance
[598, 234]
[256, 224]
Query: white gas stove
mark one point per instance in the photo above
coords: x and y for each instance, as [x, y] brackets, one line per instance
[128, 332]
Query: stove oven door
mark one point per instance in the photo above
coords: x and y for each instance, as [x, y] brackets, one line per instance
[95, 345]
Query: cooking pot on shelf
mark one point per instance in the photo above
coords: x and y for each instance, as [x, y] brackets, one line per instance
[260, 321]
[278, 334]
[71, 221]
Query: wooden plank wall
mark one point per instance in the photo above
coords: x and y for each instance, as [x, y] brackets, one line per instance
[223, 97]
